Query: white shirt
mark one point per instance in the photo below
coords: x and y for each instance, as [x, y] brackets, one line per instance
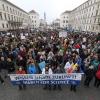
[50, 71]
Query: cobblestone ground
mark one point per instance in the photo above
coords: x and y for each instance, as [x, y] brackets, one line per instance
[10, 92]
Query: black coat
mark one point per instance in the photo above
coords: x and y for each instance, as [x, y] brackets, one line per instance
[89, 73]
[3, 65]
[10, 67]
[22, 63]
[58, 71]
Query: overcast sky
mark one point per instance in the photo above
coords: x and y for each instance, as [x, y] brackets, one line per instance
[52, 8]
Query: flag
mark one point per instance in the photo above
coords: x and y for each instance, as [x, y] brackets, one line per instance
[72, 68]
[42, 65]
[75, 66]
[67, 65]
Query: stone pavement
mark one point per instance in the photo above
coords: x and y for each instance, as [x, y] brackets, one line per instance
[10, 92]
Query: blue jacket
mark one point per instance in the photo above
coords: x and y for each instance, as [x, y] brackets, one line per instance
[32, 69]
[81, 65]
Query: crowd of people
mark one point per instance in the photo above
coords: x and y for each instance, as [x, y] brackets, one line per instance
[21, 53]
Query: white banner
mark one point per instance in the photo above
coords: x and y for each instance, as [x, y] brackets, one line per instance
[46, 78]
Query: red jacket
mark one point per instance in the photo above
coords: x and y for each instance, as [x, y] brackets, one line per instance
[20, 72]
[98, 73]
[77, 46]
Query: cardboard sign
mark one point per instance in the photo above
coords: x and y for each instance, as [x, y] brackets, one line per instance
[8, 33]
[23, 37]
[63, 34]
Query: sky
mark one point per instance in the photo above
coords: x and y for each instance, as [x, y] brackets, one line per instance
[52, 8]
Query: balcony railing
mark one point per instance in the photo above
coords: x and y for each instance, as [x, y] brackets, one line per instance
[14, 22]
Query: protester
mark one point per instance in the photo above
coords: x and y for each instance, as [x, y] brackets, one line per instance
[3, 66]
[76, 68]
[32, 68]
[95, 63]
[97, 81]
[57, 70]
[21, 62]
[10, 66]
[1, 80]
[21, 71]
[80, 51]
[47, 70]
[89, 75]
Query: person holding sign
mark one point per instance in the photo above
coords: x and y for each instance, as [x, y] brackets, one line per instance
[21, 71]
[57, 70]
[75, 69]
[47, 70]
[32, 68]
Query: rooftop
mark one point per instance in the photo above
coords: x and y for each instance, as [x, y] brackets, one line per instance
[66, 12]
[14, 5]
[33, 11]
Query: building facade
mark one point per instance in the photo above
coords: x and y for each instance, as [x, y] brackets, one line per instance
[56, 24]
[34, 16]
[64, 19]
[12, 17]
[86, 17]
[43, 24]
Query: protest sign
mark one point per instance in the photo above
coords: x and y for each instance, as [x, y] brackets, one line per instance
[84, 39]
[63, 34]
[42, 65]
[8, 33]
[29, 79]
[23, 37]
